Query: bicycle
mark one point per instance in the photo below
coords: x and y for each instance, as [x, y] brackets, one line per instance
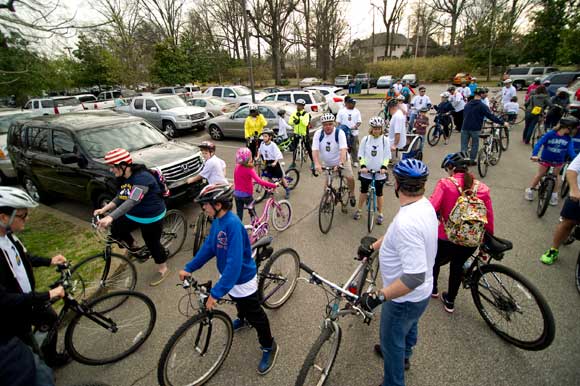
[372, 200]
[436, 131]
[539, 129]
[286, 144]
[100, 333]
[291, 176]
[300, 153]
[503, 298]
[317, 366]
[490, 152]
[281, 217]
[545, 190]
[564, 186]
[331, 197]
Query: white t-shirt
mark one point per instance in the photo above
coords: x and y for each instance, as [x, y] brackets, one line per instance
[283, 127]
[328, 148]
[507, 94]
[349, 118]
[398, 87]
[404, 108]
[213, 170]
[457, 101]
[419, 102]
[511, 107]
[465, 91]
[575, 166]
[374, 151]
[398, 124]
[245, 289]
[270, 152]
[410, 246]
[15, 264]
[486, 101]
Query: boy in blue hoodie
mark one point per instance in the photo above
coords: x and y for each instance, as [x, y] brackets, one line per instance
[228, 241]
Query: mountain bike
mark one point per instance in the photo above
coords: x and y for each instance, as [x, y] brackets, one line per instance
[281, 211]
[331, 197]
[490, 152]
[436, 131]
[321, 357]
[101, 331]
[545, 190]
[510, 304]
[286, 144]
[372, 201]
[291, 176]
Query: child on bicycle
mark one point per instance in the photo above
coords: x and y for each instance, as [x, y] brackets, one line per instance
[214, 168]
[420, 125]
[228, 241]
[272, 157]
[511, 109]
[374, 153]
[283, 127]
[556, 145]
[444, 109]
[244, 176]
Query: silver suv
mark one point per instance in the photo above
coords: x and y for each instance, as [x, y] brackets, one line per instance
[524, 76]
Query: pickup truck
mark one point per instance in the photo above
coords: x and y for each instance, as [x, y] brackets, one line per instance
[168, 113]
[90, 102]
[53, 105]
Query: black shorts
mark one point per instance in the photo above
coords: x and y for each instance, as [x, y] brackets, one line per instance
[571, 210]
[274, 171]
[366, 182]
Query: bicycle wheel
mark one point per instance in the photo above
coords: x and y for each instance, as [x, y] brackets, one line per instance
[302, 154]
[326, 212]
[281, 213]
[495, 155]
[544, 195]
[196, 350]
[513, 308]
[504, 138]
[521, 116]
[368, 279]
[201, 231]
[344, 195]
[371, 198]
[564, 188]
[319, 361]
[125, 328]
[277, 280]
[174, 231]
[292, 177]
[482, 162]
[578, 273]
[433, 135]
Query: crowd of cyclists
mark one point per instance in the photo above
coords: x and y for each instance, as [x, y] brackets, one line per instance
[419, 240]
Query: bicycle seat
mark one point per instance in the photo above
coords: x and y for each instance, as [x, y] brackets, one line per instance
[495, 245]
[367, 240]
[263, 242]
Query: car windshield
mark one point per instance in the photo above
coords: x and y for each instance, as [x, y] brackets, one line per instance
[130, 135]
[170, 103]
[241, 90]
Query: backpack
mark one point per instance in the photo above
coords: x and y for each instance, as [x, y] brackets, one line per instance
[466, 223]
[347, 133]
[160, 178]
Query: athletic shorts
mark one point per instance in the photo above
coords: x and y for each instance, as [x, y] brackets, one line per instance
[547, 164]
[571, 210]
[366, 182]
[274, 171]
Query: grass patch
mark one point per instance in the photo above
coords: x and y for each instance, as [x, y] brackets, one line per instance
[364, 95]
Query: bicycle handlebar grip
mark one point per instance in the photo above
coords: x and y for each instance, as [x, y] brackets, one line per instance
[306, 268]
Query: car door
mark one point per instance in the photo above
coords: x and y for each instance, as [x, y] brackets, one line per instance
[270, 116]
[229, 95]
[39, 162]
[154, 117]
[234, 126]
[70, 180]
[137, 107]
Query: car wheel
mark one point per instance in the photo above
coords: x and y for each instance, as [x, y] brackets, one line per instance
[32, 189]
[215, 133]
[169, 129]
[103, 199]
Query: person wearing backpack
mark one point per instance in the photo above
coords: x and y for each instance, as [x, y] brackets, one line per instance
[460, 233]
[139, 203]
[349, 120]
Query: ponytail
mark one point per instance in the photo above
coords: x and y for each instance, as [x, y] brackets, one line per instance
[467, 177]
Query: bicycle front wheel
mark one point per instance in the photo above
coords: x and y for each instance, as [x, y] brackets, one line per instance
[201, 231]
[344, 195]
[326, 212]
[564, 188]
[513, 308]
[368, 278]
[281, 215]
[105, 333]
[174, 231]
[371, 211]
[482, 162]
[278, 278]
[495, 155]
[196, 350]
[292, 177]
[318, 364]
[521, 116]
[504, 138]
[544, 195]
[433, 135]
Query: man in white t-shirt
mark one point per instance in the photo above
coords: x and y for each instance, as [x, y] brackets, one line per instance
[465, 91]
[507, 92]
[458, 104]
[350, 117]
[398, 86]
[214, 169]
[329, 149]
[406, 258]
[397, 126]
[417, 103]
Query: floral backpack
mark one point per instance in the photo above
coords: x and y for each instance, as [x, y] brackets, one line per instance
[466, 223]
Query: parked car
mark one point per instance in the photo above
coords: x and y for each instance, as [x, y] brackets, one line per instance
[179, 91]
[524, 76]
[54, 105]
[213, 105]
[334, 96]
[315, 101]
[560, 79]
[167, 112]
[234, 94]
[306, 82]
[385, 81]
[64, 155]
[232, 124]
[90, 102]
[192, 90]
[412, 79]
[111, 99]
[7, 118]
[342, 80]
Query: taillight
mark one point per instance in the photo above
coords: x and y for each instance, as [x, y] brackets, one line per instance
[224, 109]
[56, 110]
[314, 108]
[337, 99]
[96, 106]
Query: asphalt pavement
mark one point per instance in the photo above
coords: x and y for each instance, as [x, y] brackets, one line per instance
[457, 349]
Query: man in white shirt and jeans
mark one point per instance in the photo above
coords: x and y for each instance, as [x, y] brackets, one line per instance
[406, 258]
[350, 117]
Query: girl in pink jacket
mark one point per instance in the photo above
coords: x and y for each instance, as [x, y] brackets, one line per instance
[443, 200]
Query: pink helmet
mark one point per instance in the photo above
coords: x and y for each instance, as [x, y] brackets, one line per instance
[243, 155]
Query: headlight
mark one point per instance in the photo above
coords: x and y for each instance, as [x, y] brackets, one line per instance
[3, 152]
[183, 117]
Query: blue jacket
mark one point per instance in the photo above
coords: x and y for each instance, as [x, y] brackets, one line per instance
[444, 107]
[472, 87]
[228, 241]
[474, 113]
[556, 147]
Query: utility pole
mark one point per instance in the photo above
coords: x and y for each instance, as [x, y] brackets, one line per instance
[246, 10]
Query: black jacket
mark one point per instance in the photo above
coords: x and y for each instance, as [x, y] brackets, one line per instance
[17, 307]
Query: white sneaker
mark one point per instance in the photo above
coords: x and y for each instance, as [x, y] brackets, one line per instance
[554, 199]
[355, 164]
[529, 195]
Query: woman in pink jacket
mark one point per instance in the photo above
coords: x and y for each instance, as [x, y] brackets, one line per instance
[443, 200]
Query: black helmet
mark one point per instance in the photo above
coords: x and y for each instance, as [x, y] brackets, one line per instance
[480, 90]
[207, 145]
[457, 160]
[393, 102]
[451, 88]
[570, 122]
[215, 193]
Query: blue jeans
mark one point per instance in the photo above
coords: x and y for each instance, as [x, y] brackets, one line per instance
[412, 117]
[474, 135]
[398, 337]
[19, 366]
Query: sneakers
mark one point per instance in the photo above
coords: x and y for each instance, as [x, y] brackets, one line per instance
[380, 219]
[355, 164]
[554, 199]
[352, 200]
[357, 214]
[159, 277]
[268, 358]
[529, 195]
[449, 306]
[434, 293]
[550, 256]
[377, 350]
[240, 324]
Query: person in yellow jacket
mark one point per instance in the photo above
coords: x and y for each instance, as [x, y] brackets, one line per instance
[300, 122]
[253, 127]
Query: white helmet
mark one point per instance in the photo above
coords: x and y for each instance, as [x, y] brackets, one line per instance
[508, 80]
[327, 117]
[401, 98]
[15, 198]
[376, 122]
[301, 102]
[445, 95]
[562, 89]
[253, 107]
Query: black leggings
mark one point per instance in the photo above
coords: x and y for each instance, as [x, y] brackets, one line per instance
[457, 119]
[254, 144]
[457, 255]
[250, 309]
[240, 202]
[151, 233]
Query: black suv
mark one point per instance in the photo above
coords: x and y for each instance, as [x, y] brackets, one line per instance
[63, 155]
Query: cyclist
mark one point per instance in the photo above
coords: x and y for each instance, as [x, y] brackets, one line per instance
[444, 109]
[330, 149]
[350, 117]
[398, 86]
[556, 145]
[458, 104]
[253, 126]
[244, 176]
[406, 257]
[139, 203]
[535, 106]
[228, 242]
[465, 91]
[560, 103]
[532, 87]
[419, 101]
[507, 92]
[374, 154]
[283, 126]
[300, 122]
[443, 199]
[272, 157]
[214, 168]
[472, 86]
[421, 125]
[402, 105]
[22, 305]
[511, 109]
[397, 127]
[407, 91]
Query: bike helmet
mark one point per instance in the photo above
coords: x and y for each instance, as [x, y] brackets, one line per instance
[480, 90]
[400, 98]
[456, 160]
[118, 156]
[215, 193]
[570, 122]
[424, 109]
[411, 174]
[253, 107]
[376, 122]
[327, 117]
[422, 88]
[350, 100]
[281, 112]
[445, 95]
[268, 131]
[243, 155]
[508, 80]
[547, 81]
[392, 103]
[537, 80]
[473, 78]
[301, 102]
[15, 198]
[562, 90]
[207, 145]
[451, 89]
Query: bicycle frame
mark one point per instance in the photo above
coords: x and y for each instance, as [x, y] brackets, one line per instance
[260, 226]
[372, 195]
[329, 178]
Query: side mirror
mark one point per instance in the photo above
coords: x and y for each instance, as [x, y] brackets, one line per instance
[69, 158]
[154, 109]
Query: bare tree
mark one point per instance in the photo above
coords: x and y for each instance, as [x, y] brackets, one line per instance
[167, 15]
[454, 9]
[391, 19]
[425, 24]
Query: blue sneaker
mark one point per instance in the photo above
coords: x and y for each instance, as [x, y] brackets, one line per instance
[240, 324]
[268, 358]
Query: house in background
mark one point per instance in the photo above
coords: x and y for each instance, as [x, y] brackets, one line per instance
[399, 45]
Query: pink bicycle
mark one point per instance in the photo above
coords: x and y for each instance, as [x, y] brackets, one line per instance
[281, 212]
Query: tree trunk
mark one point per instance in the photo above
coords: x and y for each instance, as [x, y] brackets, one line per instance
[453, 33]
